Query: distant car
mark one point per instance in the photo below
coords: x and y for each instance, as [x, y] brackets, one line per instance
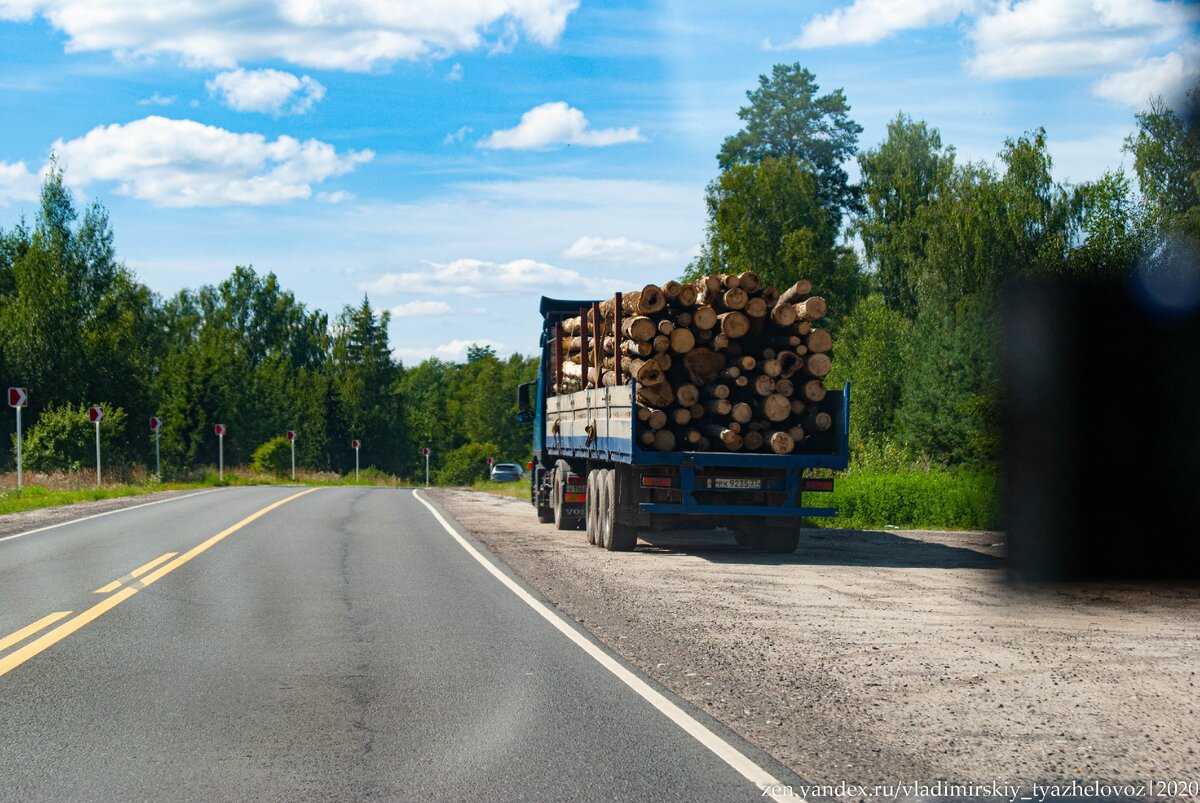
[507, 472]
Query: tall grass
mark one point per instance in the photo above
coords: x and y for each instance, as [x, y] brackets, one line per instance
[937, 499]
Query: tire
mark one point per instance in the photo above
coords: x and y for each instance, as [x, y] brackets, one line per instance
[545, 515]
[620, 537]
[603, 508]
[779, 541]
[561, 522]
[589, 508]
[747, 538]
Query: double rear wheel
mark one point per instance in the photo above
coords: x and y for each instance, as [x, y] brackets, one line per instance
[606, 502]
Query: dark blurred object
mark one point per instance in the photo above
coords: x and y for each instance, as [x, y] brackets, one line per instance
[1102, 428]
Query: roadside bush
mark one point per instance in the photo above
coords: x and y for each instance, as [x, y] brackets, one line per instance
[941, 500]
[466, 464]
[64, 440]
[273, 457]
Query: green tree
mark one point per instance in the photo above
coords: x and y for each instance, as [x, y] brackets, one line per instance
[274, 457]
[767, 217]
[365, 383]
[787, 119]
[466, 464]
[900, 178]
[871, 353]
[1109, 230]
[1166, 158]
[64, 440]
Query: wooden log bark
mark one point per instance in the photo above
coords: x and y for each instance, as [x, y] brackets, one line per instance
[818, 340]
[811, 309]
[780, 442]
[796, 293]
[687, 394]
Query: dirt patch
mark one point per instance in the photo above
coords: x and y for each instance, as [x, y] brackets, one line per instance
[875, 657]
[13, 523]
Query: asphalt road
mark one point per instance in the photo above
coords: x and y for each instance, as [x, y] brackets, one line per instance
[342, 645]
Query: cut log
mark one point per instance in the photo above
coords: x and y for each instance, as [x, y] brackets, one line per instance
[661, 395]
[718, 407]
[671, 290]
[789, 363]
[742, 381]
[747, 363]
[716, 390]
[647, 437]
[681, 416]
[764, 385]
[818, 365]
[796, 433]
[692, 437]
[798, 406]
[735, 299]
[752, 441]
[770, 295]
[709, 284]
[720, 342]
[783, 315]
[796, 293]
[749, 281]
[646, 372]
[703, 365]
[643, 413]
[820, 422]
[687, 394]
[771, 367]
[664, 360]
[657, 419]
[665, 326]
[660, 343]
[734, 324]
[682, 340]
[814, 390]
[697, 411]
[725, 436]
[704, 317]
[784, 387]
[776, 407]
[639, 327]
[756, 308]
[780, 442]
[664, 440]
[818, 340]
[732, 372]
[812, 309]
[742, 413]
[683, 319]
[637, 349]
[687, 296]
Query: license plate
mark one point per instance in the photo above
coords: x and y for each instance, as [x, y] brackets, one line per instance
[736, 483]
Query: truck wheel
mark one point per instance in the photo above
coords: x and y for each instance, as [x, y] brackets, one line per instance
[546, 514]
[747, 538]
[780, 541]
[590, 508]
[603, 508]
[620, 537]
[561, 521]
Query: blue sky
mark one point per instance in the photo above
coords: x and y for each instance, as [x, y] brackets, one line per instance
[451, 158]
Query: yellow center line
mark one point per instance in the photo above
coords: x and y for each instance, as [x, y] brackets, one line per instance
[18, 657]
[29, 630]
[138, 572]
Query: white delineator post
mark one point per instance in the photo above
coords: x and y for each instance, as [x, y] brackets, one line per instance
[18, 398]
[96, 415]
[426, 466]
[19, 477]
[291, 436]
[355, 443]
[156, 425]
[220, 430]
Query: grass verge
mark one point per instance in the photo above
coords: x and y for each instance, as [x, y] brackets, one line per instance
[935, 500]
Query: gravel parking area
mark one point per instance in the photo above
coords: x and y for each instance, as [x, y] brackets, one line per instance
[875, 657]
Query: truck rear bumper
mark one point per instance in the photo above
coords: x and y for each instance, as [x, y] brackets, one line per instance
[757, 511]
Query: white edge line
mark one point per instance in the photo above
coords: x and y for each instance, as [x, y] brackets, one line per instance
[107, 513]
[693, 727]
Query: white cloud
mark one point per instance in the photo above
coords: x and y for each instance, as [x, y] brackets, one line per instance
[1169, 76]
[327, 34]
[1056, 37]
[618, 249]
[865, 22]
[455, 74]
[183, 163]
[457, 349]
[158, 100]
[554, 124]
[268, 91]
[477, 277]
[17, 183]
[457, 136]
[421, 309]
[338, 197]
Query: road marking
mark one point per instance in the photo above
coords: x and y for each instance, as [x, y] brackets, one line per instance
[18, 657]
[106, 513]
[133, 575]
[29, 630]
[735, 758]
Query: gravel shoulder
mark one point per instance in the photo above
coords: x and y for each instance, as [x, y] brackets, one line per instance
[13, 523]
[875, 657]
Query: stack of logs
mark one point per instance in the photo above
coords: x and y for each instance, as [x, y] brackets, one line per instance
[724, 364]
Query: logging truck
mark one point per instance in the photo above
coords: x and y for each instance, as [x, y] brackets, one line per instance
[613, 457]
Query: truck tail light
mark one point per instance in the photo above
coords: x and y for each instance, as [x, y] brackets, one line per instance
[576, 484]
[651, 481]
[817, 485]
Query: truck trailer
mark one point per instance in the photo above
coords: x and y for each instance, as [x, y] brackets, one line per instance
[591, 472]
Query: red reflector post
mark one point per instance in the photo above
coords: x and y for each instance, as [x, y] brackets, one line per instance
[817, 485]
[649, 481]
[529, 466]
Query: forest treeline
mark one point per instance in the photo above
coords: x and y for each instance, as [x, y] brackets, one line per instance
[912, 260]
